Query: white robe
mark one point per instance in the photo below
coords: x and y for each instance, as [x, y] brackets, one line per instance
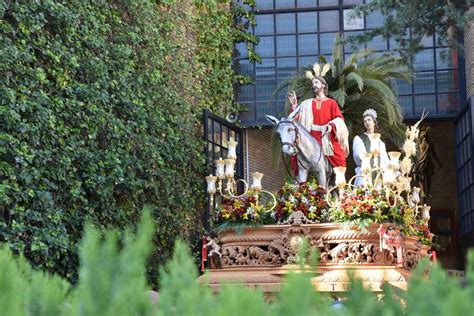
[358, 151]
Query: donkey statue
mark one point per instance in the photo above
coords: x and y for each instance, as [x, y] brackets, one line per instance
[297, 141]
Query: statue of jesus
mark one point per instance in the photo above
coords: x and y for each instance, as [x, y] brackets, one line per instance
[323, 119]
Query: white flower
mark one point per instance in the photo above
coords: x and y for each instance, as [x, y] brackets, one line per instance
[409, 147]
[405, 165]
[292, 199]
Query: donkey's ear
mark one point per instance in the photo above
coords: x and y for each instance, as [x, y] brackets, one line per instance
[293, 114]
[272, 119]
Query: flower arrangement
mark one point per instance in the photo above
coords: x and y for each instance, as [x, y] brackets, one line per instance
[361, 206]
[308, 198]
[241, 209]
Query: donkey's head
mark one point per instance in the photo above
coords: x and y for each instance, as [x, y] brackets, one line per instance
[288, 133]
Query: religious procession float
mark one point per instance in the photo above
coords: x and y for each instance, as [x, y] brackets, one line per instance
[371, 226]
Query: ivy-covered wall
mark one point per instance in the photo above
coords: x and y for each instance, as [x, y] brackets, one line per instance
[100, 108]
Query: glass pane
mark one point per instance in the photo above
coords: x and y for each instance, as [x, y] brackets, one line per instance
[424, 82]
[245, 92]
[225, 136]
[406, 104]
[209, 154]
[446, 58]
[353, 1]
[424, 60]
[209, 130]
[306, 3]
[374, 19]
[217, 133]
[285, 23]
[244, 66]
[448, 103]
[307, 22]
[286, 45]
[427, 41]
[353, 47]
[264, 24]
[377, 43]
[265, 4]
[402, 87]
[448, 80]
[286, 66]
[328, 21]
[240, 50]
[307, 60]
[284, 4]
[216, 153]
[265, 89]
[264, 108]
[426, 103]
[266, 69]
[266, 46]
[308, 44]
[352, 22]
[327, 3]
[326, 42]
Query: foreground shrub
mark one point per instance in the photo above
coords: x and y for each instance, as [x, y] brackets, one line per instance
[112, 282]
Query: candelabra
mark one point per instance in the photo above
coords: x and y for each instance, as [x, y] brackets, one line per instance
[225, 170]
[392, 179]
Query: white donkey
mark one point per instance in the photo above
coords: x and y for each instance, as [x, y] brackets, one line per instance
[297, 141]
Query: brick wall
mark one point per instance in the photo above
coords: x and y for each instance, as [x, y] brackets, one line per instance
[259, 157]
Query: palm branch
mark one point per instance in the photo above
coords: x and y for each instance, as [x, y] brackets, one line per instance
[364, 81]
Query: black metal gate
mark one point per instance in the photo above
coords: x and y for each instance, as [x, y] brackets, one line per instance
[217, 131]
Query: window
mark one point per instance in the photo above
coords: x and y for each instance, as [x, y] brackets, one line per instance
[295, 33]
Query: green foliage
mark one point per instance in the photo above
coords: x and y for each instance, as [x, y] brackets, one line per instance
[407, 22]
[112, 282]
[100, 108]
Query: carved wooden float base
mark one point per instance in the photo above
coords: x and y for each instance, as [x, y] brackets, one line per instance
[261, 256]
[326, 279]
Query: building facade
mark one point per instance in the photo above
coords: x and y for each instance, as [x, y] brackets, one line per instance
[294, 33]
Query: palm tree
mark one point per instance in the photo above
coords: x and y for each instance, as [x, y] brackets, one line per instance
[364, 81]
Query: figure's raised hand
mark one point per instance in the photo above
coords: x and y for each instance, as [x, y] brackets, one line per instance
[293, 100]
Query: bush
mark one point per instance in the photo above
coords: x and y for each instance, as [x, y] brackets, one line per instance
[100, 108]
[112, 282]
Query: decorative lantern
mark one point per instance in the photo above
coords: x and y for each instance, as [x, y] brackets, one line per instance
[211, 184]
[394, 159]
[257, 181]
[340, 176]
[425, 212]
[232, 145]
[229, 168]
[220, 164]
